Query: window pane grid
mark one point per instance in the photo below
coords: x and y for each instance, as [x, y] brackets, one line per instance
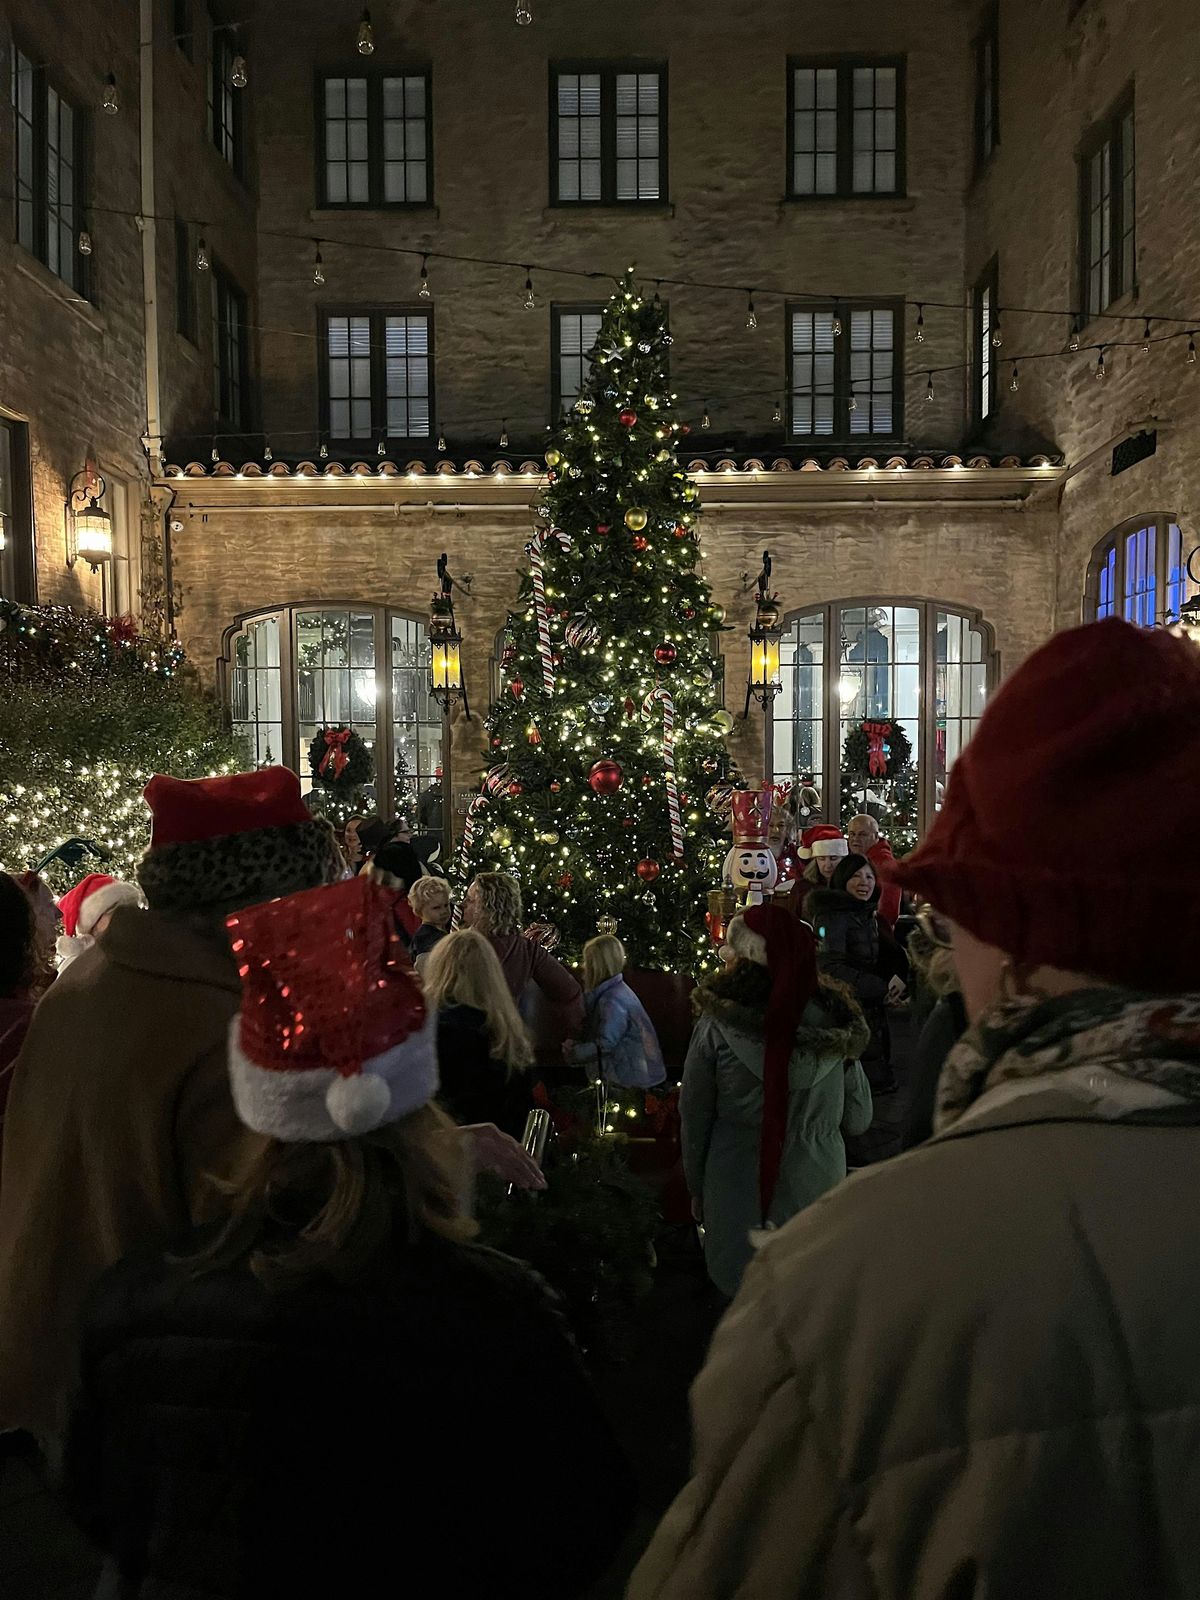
[417, 724]
[407, 377]
[255, 691]
[47, 179]
[1109, 214]
[575, 334]
[23, 85]
[637, 135]
[405, 152]
[229, 349]
[846, 135]
[874, 130]
[378, 376]
[609, 136]
[984, 351]
[347, 143]
[579, 136]
[814, 130]
[844, 385]
[1140, 573]
[872, 376]
[223, 110]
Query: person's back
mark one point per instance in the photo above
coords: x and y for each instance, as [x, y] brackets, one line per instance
[619, 1039]
[484, 1052]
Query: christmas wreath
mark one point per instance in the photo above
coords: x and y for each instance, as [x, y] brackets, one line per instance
[876, 750]
[339, 760]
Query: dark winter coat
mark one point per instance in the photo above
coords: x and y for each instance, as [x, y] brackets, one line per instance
[475, 1086]
[848, 949]
[430, 1432]
[943, 1028]
[721, 1104]
[426, 936]
[619, 1037]
[15, 1017]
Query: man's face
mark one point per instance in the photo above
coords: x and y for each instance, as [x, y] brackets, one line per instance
[863, 835]
[437, 907]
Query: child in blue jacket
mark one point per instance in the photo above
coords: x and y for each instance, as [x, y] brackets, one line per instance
[621, 1045]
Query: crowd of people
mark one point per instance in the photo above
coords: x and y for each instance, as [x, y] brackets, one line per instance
[236, 1235]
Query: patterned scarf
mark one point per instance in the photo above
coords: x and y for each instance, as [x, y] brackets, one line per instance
[1119, 1049]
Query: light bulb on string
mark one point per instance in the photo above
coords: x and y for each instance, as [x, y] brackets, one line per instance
[1191, 350]
[238, 76]
[318, 265]
[529, 301]
[441, 443]
[1101, 368]
[523, 16]
[323, 451]
[1015, 381]
[85, 242]
[504, 436]
[1146, 338]
[202, 257]
[705, 420]
[425, 292]
[381, 448]
[1073, 341]
[268, 453]
[997, 332]
[365, 40]
[929, 387]
[836, 326]
[919, 334]
[110, 100]
[216, 454]
[751, 314]
[852, 402]
[777, 414]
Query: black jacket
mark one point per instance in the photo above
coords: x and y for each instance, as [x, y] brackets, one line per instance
[475, 1087]
[848, 941]
[943, 1028]
[431, 1433]
[426, 936]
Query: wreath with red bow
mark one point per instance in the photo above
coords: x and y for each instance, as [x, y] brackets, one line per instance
[876, 750]
[339, 760]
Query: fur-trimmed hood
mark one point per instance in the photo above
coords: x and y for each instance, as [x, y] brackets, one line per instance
[833, 1023]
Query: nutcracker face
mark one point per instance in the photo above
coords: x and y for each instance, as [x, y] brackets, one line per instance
[754, 868]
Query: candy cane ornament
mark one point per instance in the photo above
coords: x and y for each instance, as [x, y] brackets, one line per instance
[474, 811]
[659, 694]
[536, 551]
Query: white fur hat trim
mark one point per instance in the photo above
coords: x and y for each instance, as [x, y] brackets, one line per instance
[316, 1105]
[830, 847]
[107, 898]
[744, 942]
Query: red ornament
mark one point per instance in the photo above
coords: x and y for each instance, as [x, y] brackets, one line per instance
[517, 687]
[680, 531]
[647, 780]
[516, 787]
[555, 786]
[685, 427]
[648, 870]
[628, 419]
[628, 707]
[496, 742]
[627, 822]
[689, 613]
[640, 542]
[533, 735]
[602, 528]
[665, 654]
[565, 881]
[606, 777]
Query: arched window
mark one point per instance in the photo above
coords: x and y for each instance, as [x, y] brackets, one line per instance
[918, 664]
[289, 672]
[1139, 572]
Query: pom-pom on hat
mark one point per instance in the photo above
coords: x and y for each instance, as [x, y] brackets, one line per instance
[333, 1039]
[93, 896]
[1095, 731]
[220, 843]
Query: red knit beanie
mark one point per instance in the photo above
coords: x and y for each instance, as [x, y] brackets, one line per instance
[1095, 735]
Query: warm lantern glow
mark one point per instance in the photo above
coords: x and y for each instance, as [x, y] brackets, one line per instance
[445, 670]
[764, 659]
[93, 535]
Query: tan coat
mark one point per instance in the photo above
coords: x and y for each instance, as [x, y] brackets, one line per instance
[119, 1109]
[973, 1372]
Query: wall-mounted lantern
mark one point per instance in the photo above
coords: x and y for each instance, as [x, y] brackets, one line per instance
[90, 524]
[763, 681]
[445, 665]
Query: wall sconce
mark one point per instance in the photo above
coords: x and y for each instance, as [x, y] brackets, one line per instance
[90, 524]
[445, 663]
[763, 682]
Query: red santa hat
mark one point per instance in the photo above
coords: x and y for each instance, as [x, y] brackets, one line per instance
[83, 906]
[823, 840]
[220, 843]
[333, 1039]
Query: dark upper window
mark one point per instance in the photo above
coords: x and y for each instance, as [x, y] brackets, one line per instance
[608, 135]
[185, 283]
[375, 136]
[224, 101]
[573, 331]
[987, 89]
[1139, 572]
[986, 322]
[845, 371]
[48, 180]
[846, 128]
[230, 351]
[16, 514]
[377, 375]
[1108, 195]
[183, 25]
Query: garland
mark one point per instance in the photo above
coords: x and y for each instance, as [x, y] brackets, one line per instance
[877, 750]
[339, 760]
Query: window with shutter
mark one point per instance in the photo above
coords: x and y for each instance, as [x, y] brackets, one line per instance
[49, 171]
[375, 133]
[573, 333]
[846, 128]
[377, 380]
[846, 380]
[608, 135]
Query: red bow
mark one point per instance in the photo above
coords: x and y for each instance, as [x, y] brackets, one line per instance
[876, 733]
[336, 740]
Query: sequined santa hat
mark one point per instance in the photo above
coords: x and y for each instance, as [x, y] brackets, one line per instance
[333, 1039]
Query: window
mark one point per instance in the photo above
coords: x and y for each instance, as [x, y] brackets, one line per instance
[375, 132]
[122, 578]
[573, 333]
[987, 90]
[608, 135]
[182, 26]
[986, 322]
[846, 377]
[1139, 572]
[846, 128]
[224, 101]
[289, 672]
[17, 578]
[377, 377]
[923, 665]
[49, 175]
[185, 283]
[1108, 256]
[230, 350]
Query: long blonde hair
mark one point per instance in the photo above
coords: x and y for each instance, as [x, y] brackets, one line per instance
[499, 902]
[463, 969]
[603, 958]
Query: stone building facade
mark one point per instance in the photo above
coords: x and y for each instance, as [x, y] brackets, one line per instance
[916, 563]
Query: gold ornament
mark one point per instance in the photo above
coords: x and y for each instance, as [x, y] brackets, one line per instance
[553, 457]
[636, 519]
[718, 613]
[547, 838]
[723, 722]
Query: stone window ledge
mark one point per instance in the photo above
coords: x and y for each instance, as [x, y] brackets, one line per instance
[594, 210]
[30, 267]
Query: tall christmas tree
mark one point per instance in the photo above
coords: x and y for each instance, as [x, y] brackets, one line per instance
[609, 730]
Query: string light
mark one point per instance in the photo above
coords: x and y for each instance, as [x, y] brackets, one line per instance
[365, 41]
[1073, 341]
[268, 453]
[919, 334]
[425, 292]
[1146, 338]
[216, 454]
[529, 302]
[852, 402]
[202, 259]
[706, 420]
[1015, 381]
[523, 16]
[929, 387]
[1101, 369]
[238, 76]
[441, 443]
[997, 332]
[836, 328]
[504, 436]
[323, 451]
[777, 414]
[1191, 350]
[318, 265]
[110, 100]
[380, 448]
[751, 314]
[85, 242]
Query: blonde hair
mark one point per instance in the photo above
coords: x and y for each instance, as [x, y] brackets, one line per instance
[424, 889]
[464, 970]
[603, 958]
[499, 903]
